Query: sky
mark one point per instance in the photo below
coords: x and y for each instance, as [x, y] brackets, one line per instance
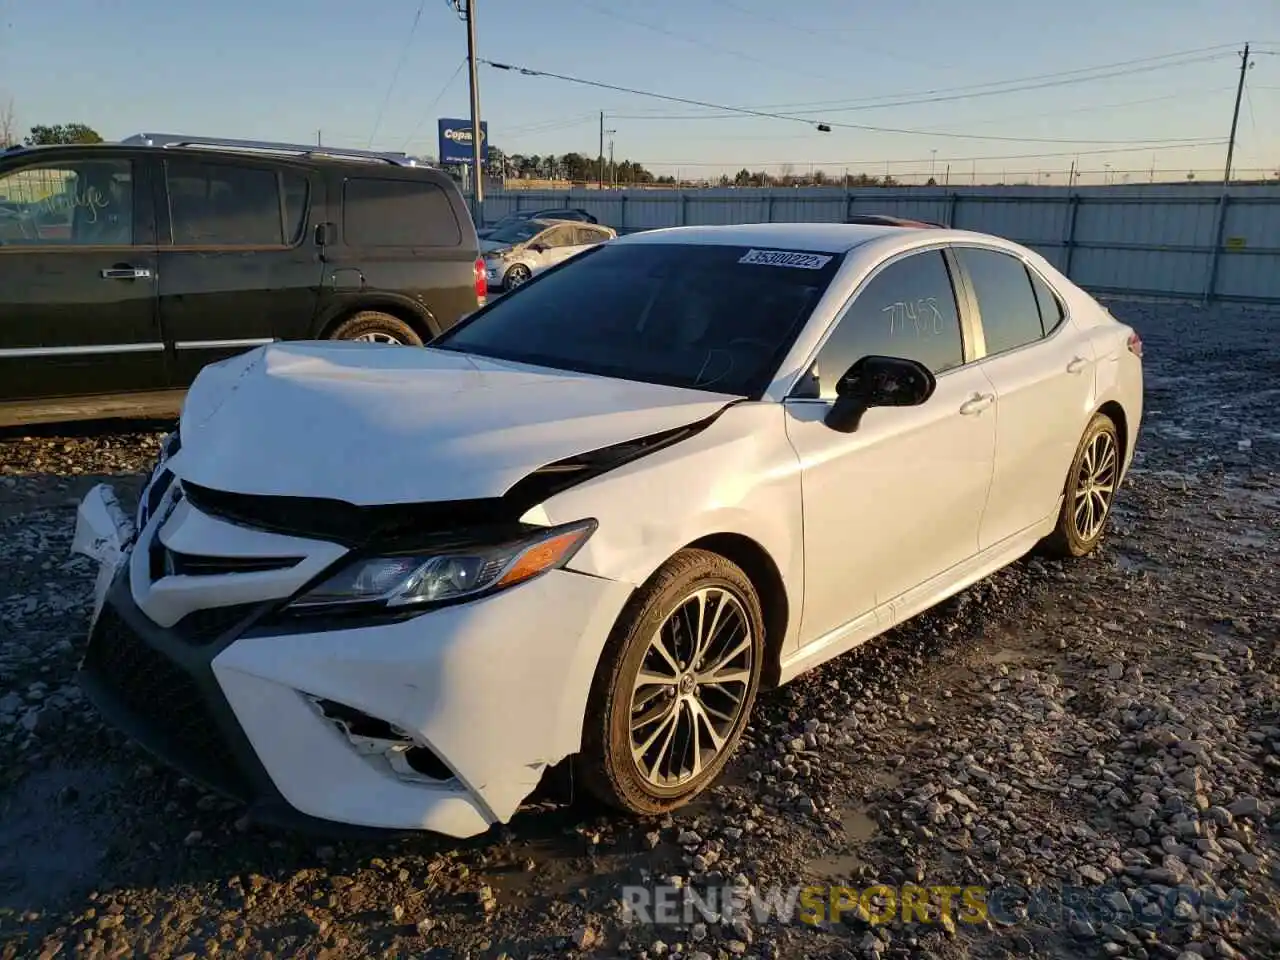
[364, 75]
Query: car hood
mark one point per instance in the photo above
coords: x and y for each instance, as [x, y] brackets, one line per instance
[489, 247]
[372, 424]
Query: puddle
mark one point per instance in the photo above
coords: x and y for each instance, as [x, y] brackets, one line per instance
[858, 829]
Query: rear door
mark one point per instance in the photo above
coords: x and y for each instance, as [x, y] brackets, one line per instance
[403, 246]
[77, 277]
[238, 263]
[1041, 367]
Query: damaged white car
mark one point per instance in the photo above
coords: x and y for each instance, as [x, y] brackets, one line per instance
[391, 588]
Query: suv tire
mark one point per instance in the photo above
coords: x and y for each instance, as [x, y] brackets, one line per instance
[377, 327]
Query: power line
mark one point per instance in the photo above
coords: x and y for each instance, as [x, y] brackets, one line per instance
[920, 160]
[431, 109]
[1015, 85]
[395, 74]
[696, 41]
[822, 127]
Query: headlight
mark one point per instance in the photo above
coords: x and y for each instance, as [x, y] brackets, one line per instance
[408, 581]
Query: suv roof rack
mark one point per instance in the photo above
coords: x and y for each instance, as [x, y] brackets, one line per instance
[267, 146]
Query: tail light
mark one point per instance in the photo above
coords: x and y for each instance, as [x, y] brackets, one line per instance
[482, 283]
[1134, 344]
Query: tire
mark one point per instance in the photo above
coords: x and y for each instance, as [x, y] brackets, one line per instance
[517, 275]
[377, 327]
[1078, 532]
[606, 764]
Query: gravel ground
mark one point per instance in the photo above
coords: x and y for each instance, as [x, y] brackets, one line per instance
[1111, 725]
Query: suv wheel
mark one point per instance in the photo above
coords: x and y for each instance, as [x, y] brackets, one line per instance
[373, 326]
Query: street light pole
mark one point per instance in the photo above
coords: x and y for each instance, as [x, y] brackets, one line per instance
[476, 145]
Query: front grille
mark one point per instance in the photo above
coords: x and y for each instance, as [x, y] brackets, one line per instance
[164, 701]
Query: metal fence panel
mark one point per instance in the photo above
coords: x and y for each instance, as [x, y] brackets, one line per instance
[1152, 239]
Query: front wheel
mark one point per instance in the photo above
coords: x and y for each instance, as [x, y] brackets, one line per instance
[517, 276]
[1089, 493]
[674, 687]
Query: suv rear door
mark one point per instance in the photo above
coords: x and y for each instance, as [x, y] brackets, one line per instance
[405, 247]
[238, 265]
[78, 275]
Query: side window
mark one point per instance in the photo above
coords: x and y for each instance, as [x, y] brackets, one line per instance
[557, 237]
[1051, 312]
[218, 204]
[907, 310]
[1010, 314]
[587, 235]
[397, 213]
[296, 194]
[72, 203]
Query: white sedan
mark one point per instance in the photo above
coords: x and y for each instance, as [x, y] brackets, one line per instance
[514, 254]
[391, 588]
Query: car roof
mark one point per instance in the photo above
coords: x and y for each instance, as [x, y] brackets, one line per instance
[818, 237]
[108, 149]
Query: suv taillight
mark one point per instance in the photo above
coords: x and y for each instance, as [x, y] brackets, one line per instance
[482, 284]
[1135, 345]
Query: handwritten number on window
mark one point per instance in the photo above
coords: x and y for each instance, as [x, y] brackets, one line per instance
[921, 316]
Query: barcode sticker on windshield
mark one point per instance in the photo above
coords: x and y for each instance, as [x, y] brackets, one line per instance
[784, 258]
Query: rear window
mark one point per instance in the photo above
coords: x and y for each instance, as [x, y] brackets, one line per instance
[714, 318]
[397, 213]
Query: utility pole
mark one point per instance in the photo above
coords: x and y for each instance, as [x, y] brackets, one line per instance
[600, 160]
[476, 145]
[1235, 116]
[613, 171]
[319, 139]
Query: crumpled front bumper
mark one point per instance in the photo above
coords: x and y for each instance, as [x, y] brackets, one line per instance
[495, 689]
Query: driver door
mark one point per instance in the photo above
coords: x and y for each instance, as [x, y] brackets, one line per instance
[898, 501]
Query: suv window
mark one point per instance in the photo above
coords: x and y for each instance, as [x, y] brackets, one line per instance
[907, 310]
[70, 203]
[1051, 312]
[1006, 301]
[217, 204]
[397, 213]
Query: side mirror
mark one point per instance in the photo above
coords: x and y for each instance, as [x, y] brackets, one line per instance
[878, 382]
[537, 248]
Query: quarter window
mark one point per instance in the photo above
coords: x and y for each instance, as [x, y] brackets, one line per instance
[76, 203]
[213, 204]
[908, 310]
[397, 213]
[1051, 312]
[557, 237]
[1006, 301]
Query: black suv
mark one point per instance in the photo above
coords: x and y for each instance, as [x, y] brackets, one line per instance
[127, 267]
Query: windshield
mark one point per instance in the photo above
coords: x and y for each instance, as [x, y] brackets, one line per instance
[518, 231]
[686, 315]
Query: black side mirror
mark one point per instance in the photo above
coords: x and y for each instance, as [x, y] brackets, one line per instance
[537, 248]
[878, 382]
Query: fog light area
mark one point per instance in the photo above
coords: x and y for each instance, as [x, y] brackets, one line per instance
[371, 736]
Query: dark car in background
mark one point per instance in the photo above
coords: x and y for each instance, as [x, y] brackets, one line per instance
[575, 214]
[127, 267]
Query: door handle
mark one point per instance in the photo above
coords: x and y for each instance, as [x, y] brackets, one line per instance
[126, 273]
[1077, 364]
[977, 403]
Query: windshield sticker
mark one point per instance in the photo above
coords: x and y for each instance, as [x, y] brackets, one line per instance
[784, 258]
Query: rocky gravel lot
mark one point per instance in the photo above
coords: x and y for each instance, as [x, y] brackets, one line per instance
[1097, 743]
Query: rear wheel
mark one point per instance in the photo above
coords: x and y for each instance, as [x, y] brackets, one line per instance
[1089, 493]
[517, 276]
[675, 686]
[374, 326]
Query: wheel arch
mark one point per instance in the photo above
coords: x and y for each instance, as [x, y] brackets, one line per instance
[418, 317]
[761, 569]
[1115, 411]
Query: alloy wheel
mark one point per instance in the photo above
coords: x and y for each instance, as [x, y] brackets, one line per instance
[1095, 486]
[376, 337]
[690, 689]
